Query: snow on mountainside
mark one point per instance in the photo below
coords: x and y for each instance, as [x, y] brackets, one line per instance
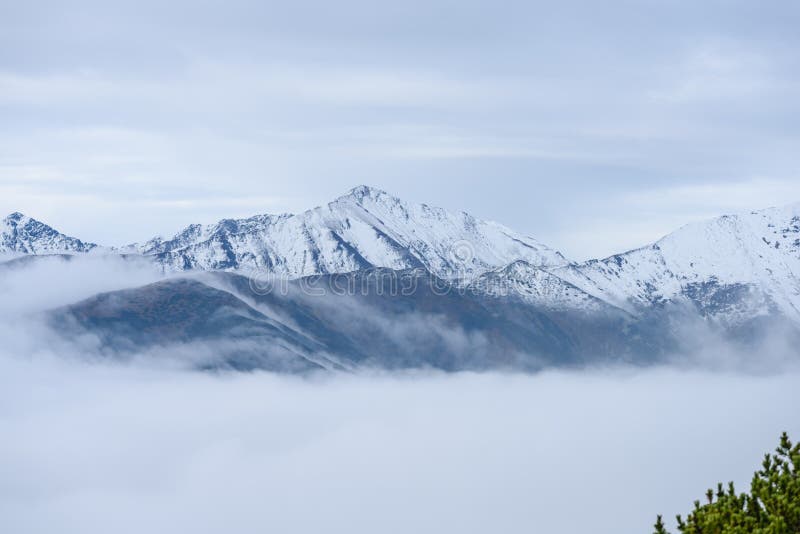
[362, 229]
[737, 265]
[536, 286]
[23, 235]
[733, 267]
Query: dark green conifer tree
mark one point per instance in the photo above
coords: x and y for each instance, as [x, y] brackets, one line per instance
[771, 507]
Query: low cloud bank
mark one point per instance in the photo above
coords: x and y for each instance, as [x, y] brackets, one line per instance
[89, 447]
[94, 448]
[36, 283]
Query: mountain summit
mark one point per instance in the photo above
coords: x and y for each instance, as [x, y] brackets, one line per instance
[364, 228]
[24, 235]
[745, 264]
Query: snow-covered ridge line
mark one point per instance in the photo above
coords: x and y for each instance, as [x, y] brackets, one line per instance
[737, 266]
[20, 234]
[748, 263]
[364, 228]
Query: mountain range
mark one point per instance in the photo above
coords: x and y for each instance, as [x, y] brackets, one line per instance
[483, 295]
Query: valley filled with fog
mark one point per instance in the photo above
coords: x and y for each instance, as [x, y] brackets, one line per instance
[93, 443]
[96, 448]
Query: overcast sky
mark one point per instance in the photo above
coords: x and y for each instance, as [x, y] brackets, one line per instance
[593, 126]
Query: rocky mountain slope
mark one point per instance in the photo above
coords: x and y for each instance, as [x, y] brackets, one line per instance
[363, 229]
[23, 235]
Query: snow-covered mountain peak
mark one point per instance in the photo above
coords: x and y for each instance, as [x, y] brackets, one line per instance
[714, 263]
[364, 228]
[22, 234]
[14, 218]
[360, 192]
[729, 246]
[376, 200]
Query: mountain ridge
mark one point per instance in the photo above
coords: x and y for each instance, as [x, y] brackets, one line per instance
[734, 267]
[25, 235]
[366, 227]
[757, 249]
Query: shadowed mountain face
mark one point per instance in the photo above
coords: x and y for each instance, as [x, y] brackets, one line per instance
[372, 281]
[188, 312]
[372, 319]
[409, 319]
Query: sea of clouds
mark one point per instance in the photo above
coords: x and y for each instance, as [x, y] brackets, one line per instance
[90, 446]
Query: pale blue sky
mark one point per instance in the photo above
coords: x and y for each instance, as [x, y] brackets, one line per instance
[593, 126]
